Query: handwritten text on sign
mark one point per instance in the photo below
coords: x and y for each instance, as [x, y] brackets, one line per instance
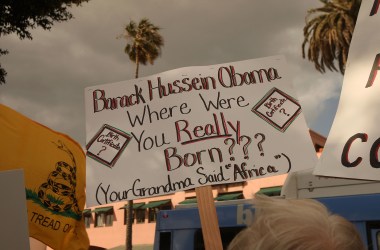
[191, 127]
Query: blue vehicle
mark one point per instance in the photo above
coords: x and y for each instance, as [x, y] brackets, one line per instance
[181, 228]
[356, 200]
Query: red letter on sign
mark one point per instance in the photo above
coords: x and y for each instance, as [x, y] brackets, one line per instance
[375, 7]
[375, 68]
[374, 161]
[344, 158]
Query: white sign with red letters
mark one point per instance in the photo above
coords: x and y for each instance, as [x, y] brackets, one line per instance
[193, 127]
[352, 148]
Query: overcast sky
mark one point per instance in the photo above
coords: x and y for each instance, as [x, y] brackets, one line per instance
[47, 75]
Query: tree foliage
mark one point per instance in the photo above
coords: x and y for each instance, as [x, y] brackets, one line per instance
[143, 42]
[21, 16]
[328, 32]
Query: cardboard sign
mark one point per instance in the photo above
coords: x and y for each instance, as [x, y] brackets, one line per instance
[352, 147]
[14, 223]
[193, 127]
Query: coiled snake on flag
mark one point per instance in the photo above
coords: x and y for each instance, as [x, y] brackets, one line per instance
[58, 193]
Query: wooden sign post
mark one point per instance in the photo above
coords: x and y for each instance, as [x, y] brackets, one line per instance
[209, 218]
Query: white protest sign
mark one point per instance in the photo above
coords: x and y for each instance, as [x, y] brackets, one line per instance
[352, 146]
[193, 127]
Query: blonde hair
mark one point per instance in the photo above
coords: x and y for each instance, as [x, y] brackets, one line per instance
[290, 224]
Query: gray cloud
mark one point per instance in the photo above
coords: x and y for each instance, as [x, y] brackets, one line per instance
[47, 76]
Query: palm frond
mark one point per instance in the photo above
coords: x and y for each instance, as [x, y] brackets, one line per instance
[327, 33]
[143, 41]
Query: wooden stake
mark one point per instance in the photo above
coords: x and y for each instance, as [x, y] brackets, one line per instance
[209, 218]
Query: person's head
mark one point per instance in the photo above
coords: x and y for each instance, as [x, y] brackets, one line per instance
[291, 224]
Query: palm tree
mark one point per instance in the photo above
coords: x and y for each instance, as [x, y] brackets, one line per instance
[144, 43]
[328, 32]
[143, 46]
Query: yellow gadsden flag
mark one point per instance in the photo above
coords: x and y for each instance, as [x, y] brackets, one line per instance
[55, 173]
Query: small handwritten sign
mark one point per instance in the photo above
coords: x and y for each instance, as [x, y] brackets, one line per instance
[278, 109]
[107, 145]
[193, 127]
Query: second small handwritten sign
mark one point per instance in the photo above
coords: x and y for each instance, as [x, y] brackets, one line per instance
[278, 109]
[107, 145]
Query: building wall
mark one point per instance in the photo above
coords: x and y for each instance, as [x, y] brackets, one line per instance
[115, 235]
